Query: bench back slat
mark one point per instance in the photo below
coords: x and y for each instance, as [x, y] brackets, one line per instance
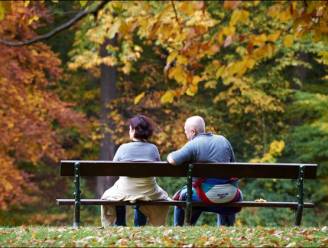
[163, 169]
[259, 170]
[132, 169]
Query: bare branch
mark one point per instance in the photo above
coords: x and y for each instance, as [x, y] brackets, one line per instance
[58, 29]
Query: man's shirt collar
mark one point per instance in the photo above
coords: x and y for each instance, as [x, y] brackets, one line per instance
[201, 134]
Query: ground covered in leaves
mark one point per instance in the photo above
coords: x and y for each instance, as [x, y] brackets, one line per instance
[200, 236]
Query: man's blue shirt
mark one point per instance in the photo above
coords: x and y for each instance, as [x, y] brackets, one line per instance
[205, 147]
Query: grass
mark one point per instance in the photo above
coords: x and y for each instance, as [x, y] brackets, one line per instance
[199, 236]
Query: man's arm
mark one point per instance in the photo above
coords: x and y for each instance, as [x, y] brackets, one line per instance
[170, 159]
[181, 156]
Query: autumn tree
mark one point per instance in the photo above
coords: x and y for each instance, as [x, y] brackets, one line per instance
[30, 112]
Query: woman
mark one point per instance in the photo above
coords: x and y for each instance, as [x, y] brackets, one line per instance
[132, 189]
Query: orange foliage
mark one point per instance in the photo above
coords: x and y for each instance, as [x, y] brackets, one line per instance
[28, 109]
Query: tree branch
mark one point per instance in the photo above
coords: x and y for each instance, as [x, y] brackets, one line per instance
[177, 19]
[58, 29]
[175, 12]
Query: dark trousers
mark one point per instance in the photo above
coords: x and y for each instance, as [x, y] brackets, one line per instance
[222, 219]
[139, 218]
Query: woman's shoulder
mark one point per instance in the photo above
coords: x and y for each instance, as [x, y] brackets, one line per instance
[137, 144]
[125, 146]
[149, 145]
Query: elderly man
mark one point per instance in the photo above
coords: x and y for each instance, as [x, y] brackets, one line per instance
[207, 147]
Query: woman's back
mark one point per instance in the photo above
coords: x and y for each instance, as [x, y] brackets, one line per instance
[133, 189]
[136, 188]
[137, 151]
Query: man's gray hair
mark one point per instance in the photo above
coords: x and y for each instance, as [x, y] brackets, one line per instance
[197, 123]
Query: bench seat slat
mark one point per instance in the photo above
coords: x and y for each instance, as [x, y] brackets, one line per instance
[183, 203]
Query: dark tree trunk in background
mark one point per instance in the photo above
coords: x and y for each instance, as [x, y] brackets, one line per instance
[299, 71]
[107, 93]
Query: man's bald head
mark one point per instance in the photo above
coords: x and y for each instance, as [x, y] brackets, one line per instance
[193, 126]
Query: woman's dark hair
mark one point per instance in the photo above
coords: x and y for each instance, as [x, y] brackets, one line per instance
[143, 127]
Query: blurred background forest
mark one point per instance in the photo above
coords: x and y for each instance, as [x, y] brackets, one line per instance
[256, 71]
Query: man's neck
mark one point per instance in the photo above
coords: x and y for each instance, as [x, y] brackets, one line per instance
[198, 134]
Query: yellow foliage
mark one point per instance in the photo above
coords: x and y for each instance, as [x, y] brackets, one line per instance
[109, 60]
[187, 8]
[273, 37]
[263, 52]
[275, 150]
[83, 2]
[210, 84]
[230, 30]
[258, 40]
[168, 97]
[127, 68]
[324, 57]
[238, 67]
[171, 57]
[200, 17]
[32, 19]
[182, 60]
[220, 71]
[278, 11]
[288, 40]
[114, 29]
[239, 16]
[276, 147]
[179, 74]
[138, 98]
[183, 31]
[192, 90]
[195, 80]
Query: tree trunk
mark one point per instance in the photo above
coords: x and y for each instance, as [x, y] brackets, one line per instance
[107, 94]
[299, 71]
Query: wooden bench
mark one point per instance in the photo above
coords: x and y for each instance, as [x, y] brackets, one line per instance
[78, 168]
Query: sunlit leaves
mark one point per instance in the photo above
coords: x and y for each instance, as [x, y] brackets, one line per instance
[275, 150]
[281, 12]
[239, 16]
[138, 98]
[308, 17]
[288, 40]
[183, 30]
[83, 2]
[168, 97]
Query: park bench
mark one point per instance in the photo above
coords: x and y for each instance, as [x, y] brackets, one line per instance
[78, 168]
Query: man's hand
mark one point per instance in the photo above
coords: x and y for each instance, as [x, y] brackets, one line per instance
[170, 160]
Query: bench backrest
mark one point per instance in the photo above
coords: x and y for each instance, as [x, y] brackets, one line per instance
[163, 169]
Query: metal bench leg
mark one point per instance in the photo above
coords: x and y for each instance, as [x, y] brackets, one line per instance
[189, 196]
[300, 196]
[77, 194]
